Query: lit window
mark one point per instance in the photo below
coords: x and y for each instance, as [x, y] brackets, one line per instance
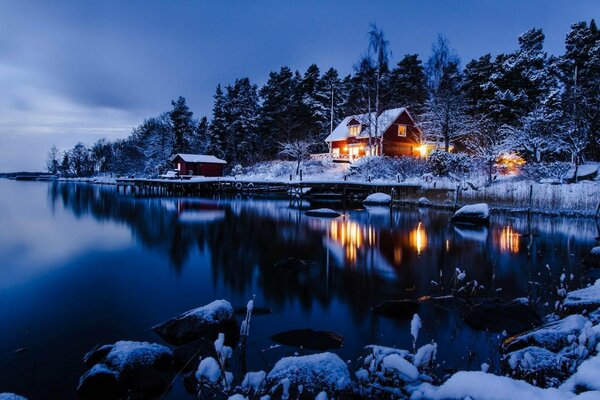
[354, 130]
[402, 130]
[179, 166]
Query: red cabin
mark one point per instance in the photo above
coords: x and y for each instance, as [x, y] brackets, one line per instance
[393, 133]
[198, 164]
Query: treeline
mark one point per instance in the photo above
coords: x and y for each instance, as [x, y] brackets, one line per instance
[541, 106]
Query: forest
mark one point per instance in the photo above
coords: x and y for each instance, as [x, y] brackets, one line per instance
[540, 106]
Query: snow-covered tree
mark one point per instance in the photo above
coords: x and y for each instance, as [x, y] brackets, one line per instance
[217, 129]
[487, 142]
[297, 150]
[102, 153]
[53, 163]
[408, 84]
[201, 139]
[242, 140]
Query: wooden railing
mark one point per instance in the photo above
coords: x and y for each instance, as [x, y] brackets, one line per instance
[332, 157]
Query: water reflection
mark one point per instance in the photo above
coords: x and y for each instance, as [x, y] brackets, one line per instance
[183, 252]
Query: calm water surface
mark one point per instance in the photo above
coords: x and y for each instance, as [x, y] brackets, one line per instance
[81, 265]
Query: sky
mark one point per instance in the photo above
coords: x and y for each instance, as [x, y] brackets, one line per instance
[75, 70]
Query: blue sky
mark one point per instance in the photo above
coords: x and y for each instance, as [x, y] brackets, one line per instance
[80, 70]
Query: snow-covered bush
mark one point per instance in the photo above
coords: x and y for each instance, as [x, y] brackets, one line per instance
[388, 167]
[546, 170]
[442, 163]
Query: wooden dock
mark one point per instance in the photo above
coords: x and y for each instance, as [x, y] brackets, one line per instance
[333, 189]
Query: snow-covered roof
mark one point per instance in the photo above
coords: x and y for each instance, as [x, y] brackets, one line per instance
[385, 119]
[199, 158]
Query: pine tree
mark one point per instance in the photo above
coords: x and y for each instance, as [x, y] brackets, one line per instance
[181, 120]
[476, 86]
[65, 166]
[242, 140]
[201, 140]
[217, 129]
[408, 85]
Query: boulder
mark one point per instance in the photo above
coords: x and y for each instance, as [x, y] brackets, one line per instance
[138, 368]
[11, 396]
[314, 373]
[536, 365]
[584, 172]
[206, 321]
[323, 213]
[423, 201]
[378, 198]
[497, 316]
[397, 309]
[553, 336]
[587, 299]
[310, 339]
[472, 214]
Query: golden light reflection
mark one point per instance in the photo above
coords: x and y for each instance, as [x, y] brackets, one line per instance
[509, 240]
[418, 238]
[350, 236]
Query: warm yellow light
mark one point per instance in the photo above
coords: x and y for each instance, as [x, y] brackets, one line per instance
[510, 163]
[422, 150]
[509, 240]
[418, 238]
[349, 235]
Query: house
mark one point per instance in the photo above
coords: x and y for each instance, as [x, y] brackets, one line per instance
[198, 164]
[393, 133]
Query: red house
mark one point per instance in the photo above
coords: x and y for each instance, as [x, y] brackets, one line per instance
[393, 133]
[198, 164]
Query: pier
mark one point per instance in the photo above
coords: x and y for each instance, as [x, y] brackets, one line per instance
[310, 188]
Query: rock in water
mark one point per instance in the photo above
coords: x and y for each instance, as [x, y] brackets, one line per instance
[315, 373]
[397, 309]
[497, 316]
[310, 339]
[290, 263]
[206, 321]
[138, 368]
[587, 299]
[553, 336]
[472, 214]
[323, 213]
[378, 198]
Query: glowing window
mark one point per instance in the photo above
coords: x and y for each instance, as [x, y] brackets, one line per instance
[178, 166]
[402, 130]
[354, 130]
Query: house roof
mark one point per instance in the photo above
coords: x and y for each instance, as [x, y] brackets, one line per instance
[199, 158]
[385, 119]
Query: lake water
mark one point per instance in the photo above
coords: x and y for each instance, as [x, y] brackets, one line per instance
[82, 265]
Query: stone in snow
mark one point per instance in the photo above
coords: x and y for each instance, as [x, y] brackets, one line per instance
[583, 299]
[140, 368]
[206, 321]
[423, 201]
[378, 198]
[552, 336]
[497, 316]
[425, 355]
[587, 376]
[584, 172]
[536, 365]
[310, 339]
[11, 396]
[398, 365]
[316, 373]
[397, 309]
[472, 214]
[253, 380]
[323, 213]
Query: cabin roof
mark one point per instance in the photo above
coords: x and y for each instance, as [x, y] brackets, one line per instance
[385, 119]
[199, 158]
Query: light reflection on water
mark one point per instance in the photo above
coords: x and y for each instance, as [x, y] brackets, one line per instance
[126, 263]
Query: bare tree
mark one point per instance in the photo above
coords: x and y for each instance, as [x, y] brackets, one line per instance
[297, 150]
[487, 143]
[52, 164]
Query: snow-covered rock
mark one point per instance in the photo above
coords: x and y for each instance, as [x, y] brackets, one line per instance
[206, 321]
[584, 172]
[378, 198]
[423, 201]
[472, 214]
[253, 380]
[553, 336]
[536, 365]
[323, 213]
[425, 355]
[315, 373]
[397, 364]
[587, 377]
[478, 385]
[138, 367]
[587, 299]
[11, 396]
